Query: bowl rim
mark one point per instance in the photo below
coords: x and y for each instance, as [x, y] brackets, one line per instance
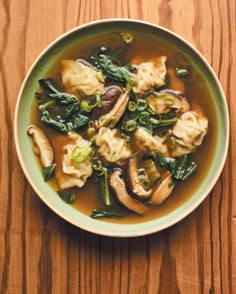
[175, 219]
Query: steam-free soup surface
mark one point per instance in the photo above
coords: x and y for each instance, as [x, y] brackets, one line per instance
[143, 48]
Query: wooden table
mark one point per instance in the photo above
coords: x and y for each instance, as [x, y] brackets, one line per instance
[40, 252]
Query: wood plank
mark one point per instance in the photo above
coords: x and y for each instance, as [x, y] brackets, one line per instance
[41, 253]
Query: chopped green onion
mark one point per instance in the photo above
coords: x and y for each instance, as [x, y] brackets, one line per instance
[101, 77]
[142, 104]
[129, 125]
[132, 106]
[80, 153]
[111, 122]
[85, 106]
[99, 100]
[163, 122]
[144, 118]
[127, 37]
[99, 168]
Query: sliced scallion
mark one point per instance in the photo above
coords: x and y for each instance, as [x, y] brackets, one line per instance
[142, 104]
[99, 100]
[80, 153]
[144, 118]
[129, 125]
[111, 122]
[163, 122]
[132, 106]
[127, 37]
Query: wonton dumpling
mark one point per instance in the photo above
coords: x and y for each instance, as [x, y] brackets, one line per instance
[75, 173]
[81, 79]
[189, 131]
[150, 74]
[145, 141]
[112, 146]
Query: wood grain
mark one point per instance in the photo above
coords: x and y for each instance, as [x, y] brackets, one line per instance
[41, 253]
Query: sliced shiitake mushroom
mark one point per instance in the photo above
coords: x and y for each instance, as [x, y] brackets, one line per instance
[134, 181]
[42, 147]
[113, 116]
[123, 196]
[108, 101]
[163, 189]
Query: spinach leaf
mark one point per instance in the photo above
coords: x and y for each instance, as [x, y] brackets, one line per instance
[59, 110]
[104, 61]
[103, 176]
[48, 171]
[67, 195]
[66, 125]
[97, 213]
[181, 167]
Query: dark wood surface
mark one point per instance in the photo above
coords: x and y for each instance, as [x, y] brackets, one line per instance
[41, 253]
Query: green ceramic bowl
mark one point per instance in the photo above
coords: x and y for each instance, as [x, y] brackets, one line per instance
[24, 145]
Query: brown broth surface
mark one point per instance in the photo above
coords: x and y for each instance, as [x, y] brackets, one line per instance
[142, 48]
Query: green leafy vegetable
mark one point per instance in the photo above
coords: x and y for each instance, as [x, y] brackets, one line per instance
[64, 98]
[47, 84]
[97, 213]
[105, 193]
[48, 171]
[67, 195]
[64, 125]
[181, 167]
[163, 122]
[104, 61]
[59, 110]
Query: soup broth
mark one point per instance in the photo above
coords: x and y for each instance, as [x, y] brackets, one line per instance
[142, 48]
